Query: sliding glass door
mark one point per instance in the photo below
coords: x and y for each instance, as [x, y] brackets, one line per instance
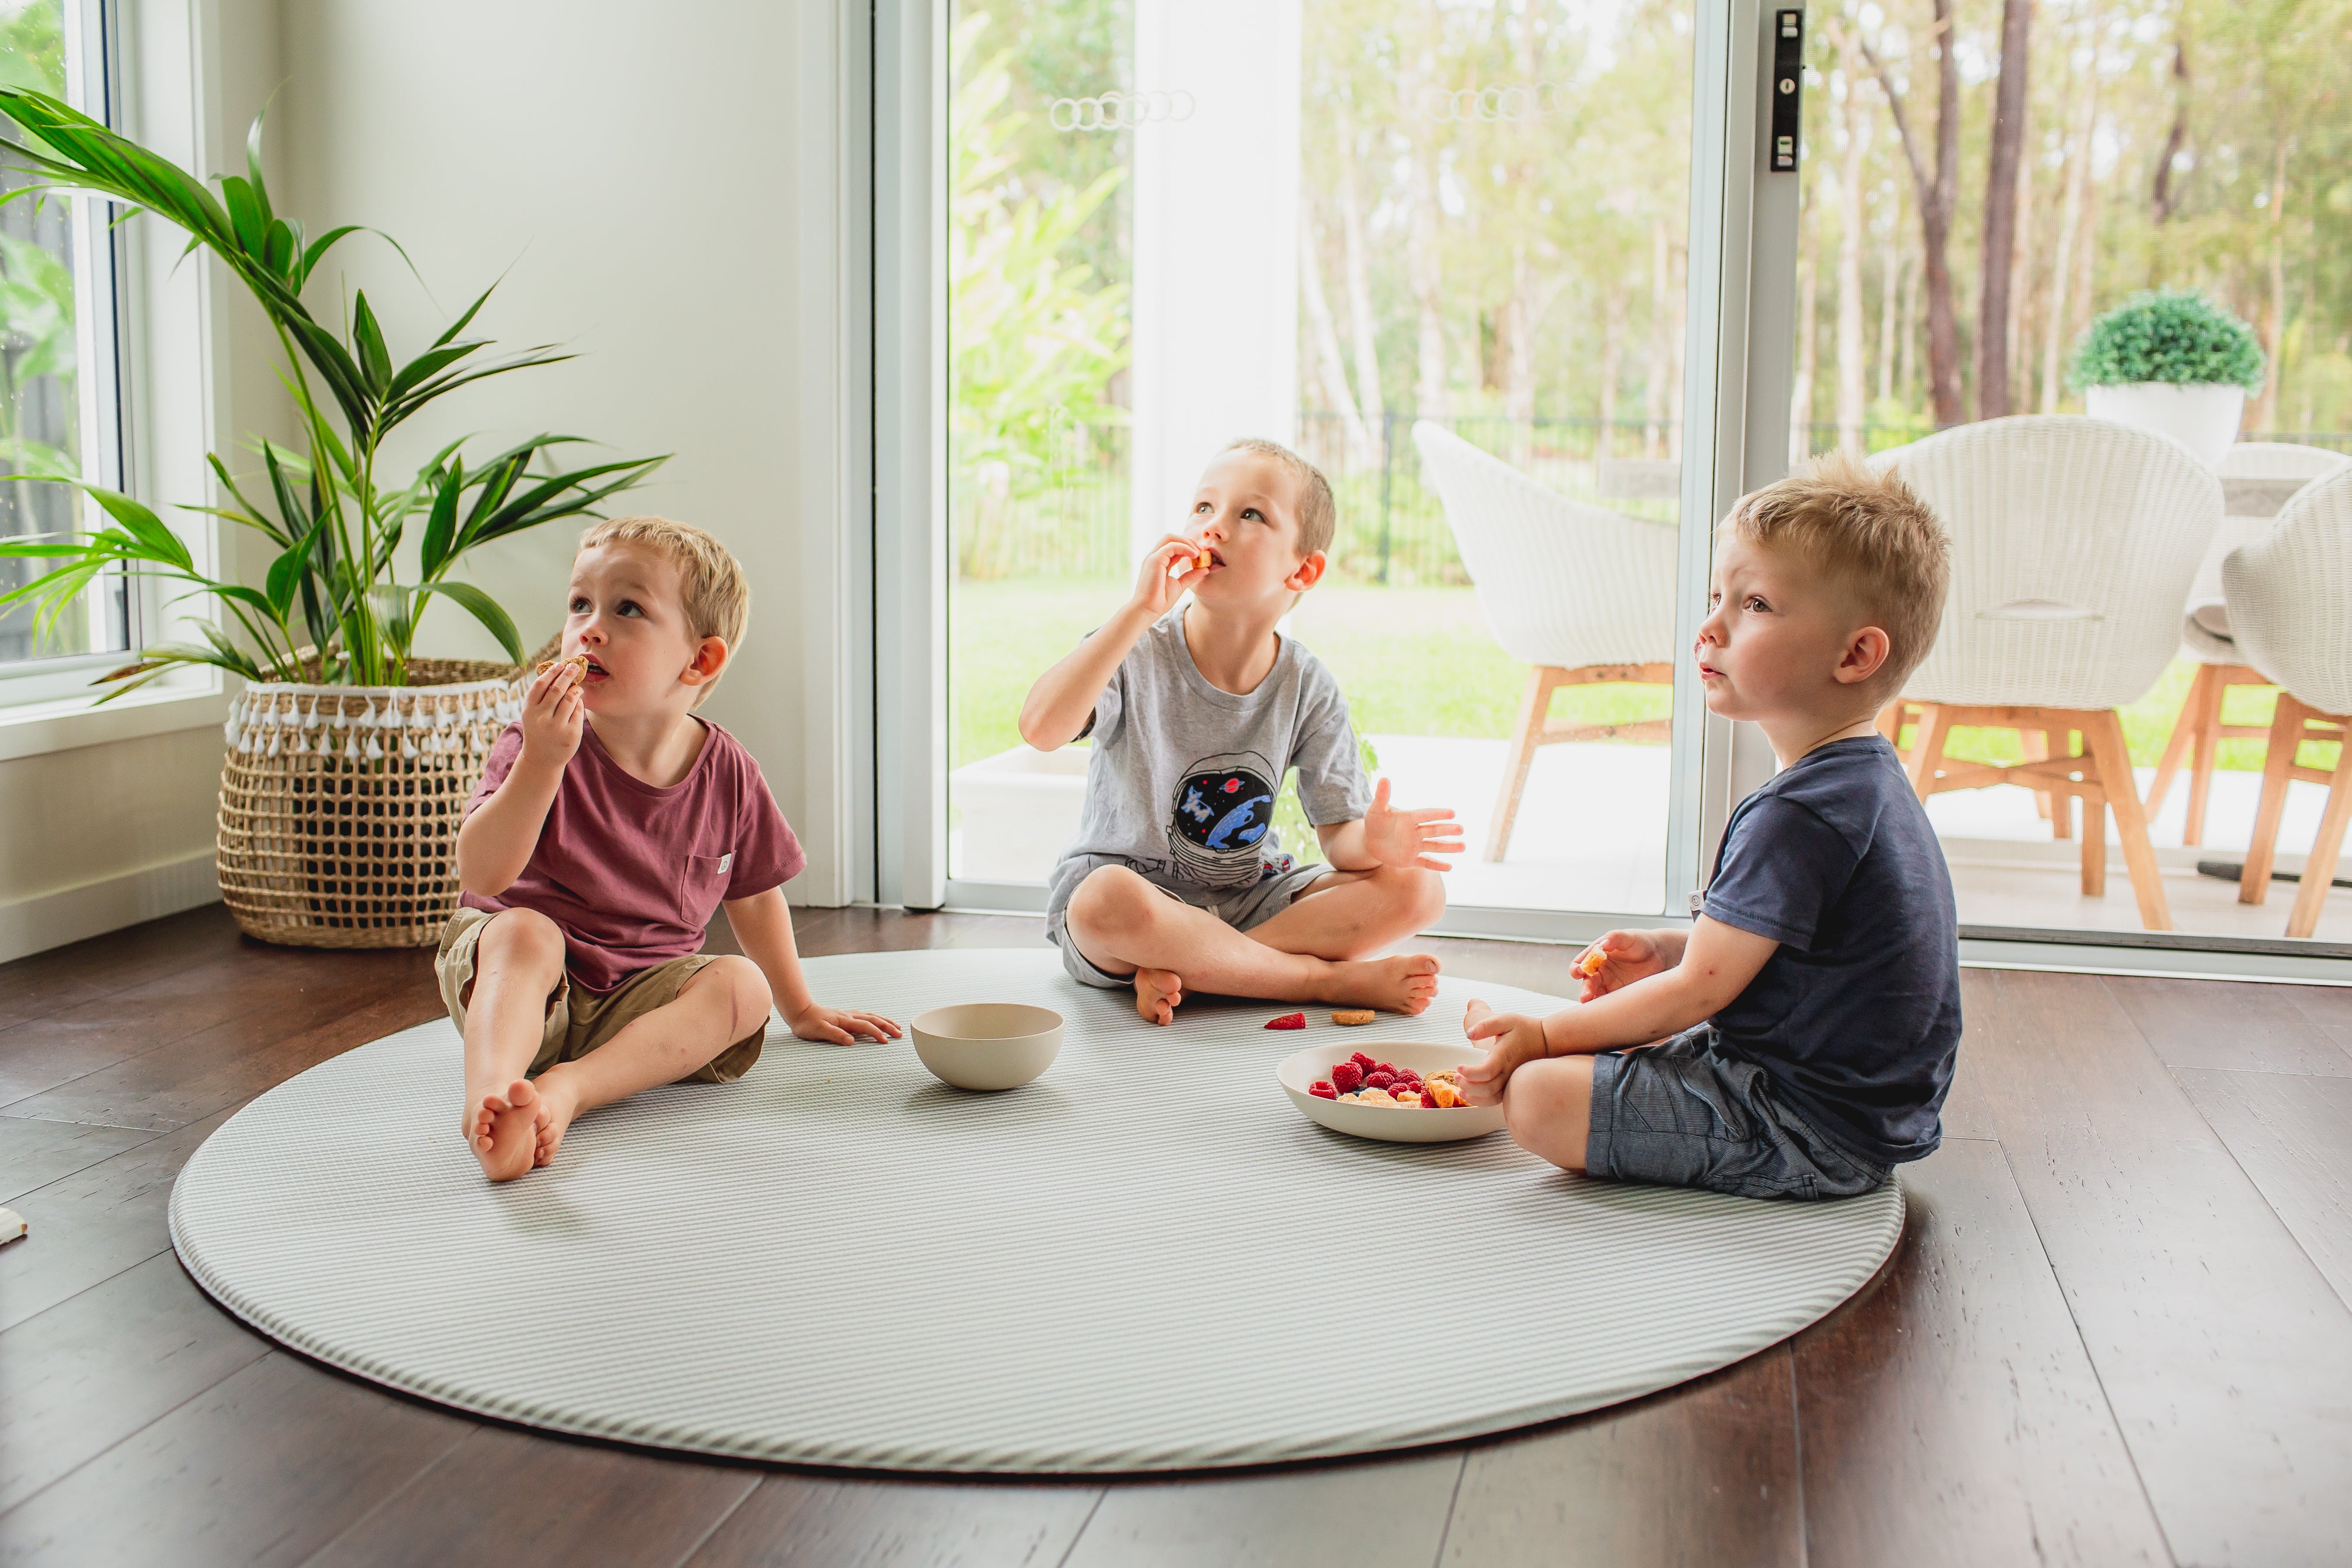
[1442, 250]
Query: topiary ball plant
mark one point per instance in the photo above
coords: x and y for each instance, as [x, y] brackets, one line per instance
[2172, 335]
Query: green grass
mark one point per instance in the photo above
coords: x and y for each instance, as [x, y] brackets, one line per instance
[1414, 661]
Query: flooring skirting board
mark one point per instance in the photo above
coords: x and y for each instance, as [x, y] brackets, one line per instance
[41, 921]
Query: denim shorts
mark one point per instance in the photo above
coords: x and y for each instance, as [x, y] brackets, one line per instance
[1682, 1114]
[1242, 909]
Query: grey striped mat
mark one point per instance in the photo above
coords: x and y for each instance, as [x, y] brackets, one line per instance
[1146, 1259]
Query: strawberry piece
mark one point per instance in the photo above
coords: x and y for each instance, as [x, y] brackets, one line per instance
[1288, 1020]
[1323, 1090]
[1347, 1076]
[1380, 1079]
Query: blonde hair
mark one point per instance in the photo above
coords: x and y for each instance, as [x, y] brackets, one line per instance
[1871, 531]
[711, 584]
[1319, 510]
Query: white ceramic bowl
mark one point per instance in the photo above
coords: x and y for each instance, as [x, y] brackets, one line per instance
[1389, 1123]
[988, 1045]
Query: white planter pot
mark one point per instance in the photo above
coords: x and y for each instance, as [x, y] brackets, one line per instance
[2202, 415]
[1020, 810]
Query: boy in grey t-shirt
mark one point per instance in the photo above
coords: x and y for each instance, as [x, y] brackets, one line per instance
[1178, 880]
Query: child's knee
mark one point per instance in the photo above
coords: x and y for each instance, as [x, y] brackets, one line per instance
[1548, 1108]
[1114, 901]
[523, 938]
[1419, 894]
[746, 992]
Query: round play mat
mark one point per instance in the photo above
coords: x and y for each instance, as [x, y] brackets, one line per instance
[1146, 1259]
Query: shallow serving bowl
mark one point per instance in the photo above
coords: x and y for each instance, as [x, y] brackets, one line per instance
[988, 1045]
[1388, 1124]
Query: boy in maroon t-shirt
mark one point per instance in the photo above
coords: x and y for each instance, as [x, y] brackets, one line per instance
[610, 825]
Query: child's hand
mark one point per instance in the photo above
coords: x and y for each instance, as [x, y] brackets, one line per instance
[1618, 958]
[1409, 838]
[1155, 590]
[551, 710]
[840, 1026]
[1514, 1040]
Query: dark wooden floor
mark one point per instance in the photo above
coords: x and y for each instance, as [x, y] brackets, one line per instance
[2116, 1331]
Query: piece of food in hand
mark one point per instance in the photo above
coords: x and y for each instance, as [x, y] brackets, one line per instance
[1348, 1077]
[1202, 560]
[1288, 1020]
[1350, 1017]
[1591, 964]
[1322, 1091]
[1443, 1094]
[580, 660]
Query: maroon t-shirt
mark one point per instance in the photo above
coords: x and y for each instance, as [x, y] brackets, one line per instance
[632, 872]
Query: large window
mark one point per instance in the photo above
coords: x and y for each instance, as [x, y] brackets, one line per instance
[1440, 249]
[59, 413]
[2096, 151]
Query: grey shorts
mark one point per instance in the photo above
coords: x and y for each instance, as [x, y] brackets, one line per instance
[1682, 1114]
[1242, 909]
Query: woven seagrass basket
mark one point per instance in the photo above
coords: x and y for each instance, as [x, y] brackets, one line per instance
[339, 805]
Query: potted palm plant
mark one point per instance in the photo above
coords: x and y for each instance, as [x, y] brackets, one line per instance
[2173, 362]
[349, 756]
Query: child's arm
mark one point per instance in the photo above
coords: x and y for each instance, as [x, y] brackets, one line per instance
[1059, 705]
[1382, 836]
[1717, 962]
[494, 841]
[763, 925]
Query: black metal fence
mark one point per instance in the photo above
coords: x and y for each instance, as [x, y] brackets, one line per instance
[1068, 517]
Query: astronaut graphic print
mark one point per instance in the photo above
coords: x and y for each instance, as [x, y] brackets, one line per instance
[1220, 825]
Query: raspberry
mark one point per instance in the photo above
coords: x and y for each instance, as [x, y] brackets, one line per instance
[1380, 1079]
[1388, 1067]
[1323, 1090]
[1348, 1077]
[1407, 1075]
[1288, 1020]
[1365, 1062]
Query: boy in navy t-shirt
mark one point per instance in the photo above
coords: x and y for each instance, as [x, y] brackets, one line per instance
[1797, 1040]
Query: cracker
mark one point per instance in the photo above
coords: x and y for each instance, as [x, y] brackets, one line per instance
[1353, 1016]
[579, 659]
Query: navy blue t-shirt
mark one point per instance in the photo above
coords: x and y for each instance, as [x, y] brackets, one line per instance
[1855, 1016]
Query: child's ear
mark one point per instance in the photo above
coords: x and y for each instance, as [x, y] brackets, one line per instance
[710, 656]
[1864, 656]
[1308, 573]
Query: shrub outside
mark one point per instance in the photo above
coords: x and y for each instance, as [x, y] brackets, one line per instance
[2173, 335]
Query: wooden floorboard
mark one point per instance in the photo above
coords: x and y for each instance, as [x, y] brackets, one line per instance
[2223, 1352]
[1703, 1473]
[265, 1467]
[2126, 1310]
[2292, 1135]
[95, 1368]
[1378, 1515]
[1950, 1413]
[2253, 1029]
[803, 1521]
[474, 1504]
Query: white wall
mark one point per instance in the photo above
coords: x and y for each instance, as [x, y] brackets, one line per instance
[657, 186]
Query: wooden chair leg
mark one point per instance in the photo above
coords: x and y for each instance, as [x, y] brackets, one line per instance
[2060, 743]
[2184, 727]
[1890, 723]
[1535, 708]
[2035, 744]
[2327, 845]
[2278, 764]
[2203, 746]
[2103, 736]
[1935, 727]
[2094, 845]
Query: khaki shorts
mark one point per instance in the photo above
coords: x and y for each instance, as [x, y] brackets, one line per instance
[579, 1019]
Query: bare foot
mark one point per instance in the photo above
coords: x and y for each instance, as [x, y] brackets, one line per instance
[1158, 993]
[557, 1105]
[504, 1134]
[1404, 984]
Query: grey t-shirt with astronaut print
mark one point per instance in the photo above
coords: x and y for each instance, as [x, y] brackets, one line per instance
[1183, 778]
